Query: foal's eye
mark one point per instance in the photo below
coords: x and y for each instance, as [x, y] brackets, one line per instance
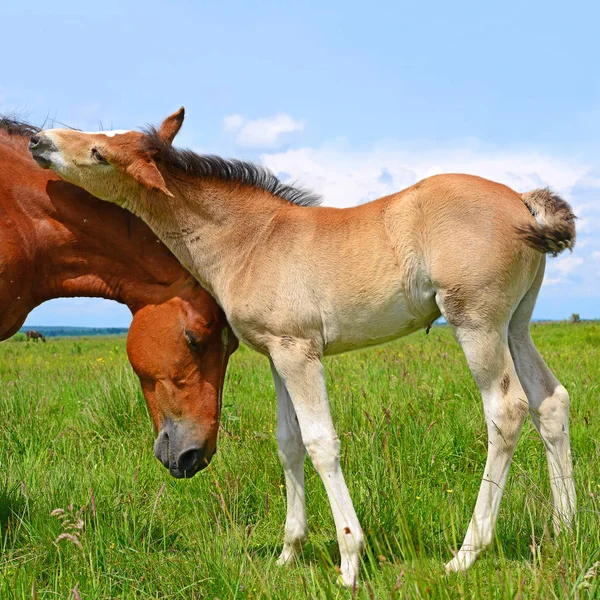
[192, 340]
[98, 157]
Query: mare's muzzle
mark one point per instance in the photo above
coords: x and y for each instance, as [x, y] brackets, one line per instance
[179, 450]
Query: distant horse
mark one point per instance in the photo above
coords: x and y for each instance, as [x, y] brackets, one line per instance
[58, 241]
[34, 335]
[300, 282]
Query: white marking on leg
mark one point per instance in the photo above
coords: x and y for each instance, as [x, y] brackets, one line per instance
[549, 409]
[552, 422]
[505, 408]
[291, 456]
[304, 379]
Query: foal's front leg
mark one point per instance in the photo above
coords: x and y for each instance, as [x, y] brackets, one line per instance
[299, 366]
[291, 456]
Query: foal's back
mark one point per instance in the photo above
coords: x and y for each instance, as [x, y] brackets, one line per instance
[383, 269]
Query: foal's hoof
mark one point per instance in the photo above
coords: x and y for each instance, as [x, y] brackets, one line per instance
[285, 561]
[462, 561]
[347, 575]
[287, 558]
[348, 581]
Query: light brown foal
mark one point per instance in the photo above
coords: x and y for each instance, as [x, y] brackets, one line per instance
[298, 281]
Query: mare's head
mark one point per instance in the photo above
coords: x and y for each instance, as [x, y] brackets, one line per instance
[179, 348]
[117, 166]
[179, 341]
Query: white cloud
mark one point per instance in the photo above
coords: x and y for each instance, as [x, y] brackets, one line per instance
[233, 122]
[346, 178]
[268, 132]
[568, 264]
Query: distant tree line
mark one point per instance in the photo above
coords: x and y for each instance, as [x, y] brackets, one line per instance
[56, 331]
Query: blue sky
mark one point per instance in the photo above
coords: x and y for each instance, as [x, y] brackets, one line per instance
[355, 100]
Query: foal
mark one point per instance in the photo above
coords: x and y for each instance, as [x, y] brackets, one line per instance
[298, 282]
[58, 241]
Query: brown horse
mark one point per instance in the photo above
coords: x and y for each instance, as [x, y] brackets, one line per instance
[34, 335]
[300, 282]
[58, 241]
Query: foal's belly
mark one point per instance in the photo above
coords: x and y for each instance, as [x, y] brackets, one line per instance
[360, 327]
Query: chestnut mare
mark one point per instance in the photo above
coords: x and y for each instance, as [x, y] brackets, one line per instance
[301, 282]
[58, 241]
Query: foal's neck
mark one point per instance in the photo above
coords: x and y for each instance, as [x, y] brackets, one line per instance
[214, 229]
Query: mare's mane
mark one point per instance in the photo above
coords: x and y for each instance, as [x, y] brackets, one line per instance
[14, 126]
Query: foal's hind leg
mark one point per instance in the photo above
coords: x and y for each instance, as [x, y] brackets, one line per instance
[291, 456]
[505, 408]
[548, 406]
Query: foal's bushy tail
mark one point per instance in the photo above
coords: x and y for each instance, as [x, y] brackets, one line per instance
[554, 228]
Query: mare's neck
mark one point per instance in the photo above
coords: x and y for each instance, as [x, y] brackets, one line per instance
[94, 249]
[91, 277]
[59, 241]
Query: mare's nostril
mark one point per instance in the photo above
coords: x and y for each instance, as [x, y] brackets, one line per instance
[192, 460]
[34, 141]
[161, 448]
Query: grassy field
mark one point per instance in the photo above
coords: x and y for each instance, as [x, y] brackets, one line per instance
[75, 436]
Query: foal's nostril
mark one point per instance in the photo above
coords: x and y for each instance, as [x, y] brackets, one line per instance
[34, 141]
[192, 460]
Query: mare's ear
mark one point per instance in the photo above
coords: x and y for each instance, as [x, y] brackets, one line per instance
[171, 125]
[147, 173]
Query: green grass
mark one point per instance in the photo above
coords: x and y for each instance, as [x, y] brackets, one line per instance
[75, 435]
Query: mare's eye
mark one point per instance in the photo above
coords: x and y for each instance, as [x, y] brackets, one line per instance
[192, 340]
[98, 157]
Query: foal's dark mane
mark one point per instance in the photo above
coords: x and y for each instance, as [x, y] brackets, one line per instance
[187, 161]
[229, 170]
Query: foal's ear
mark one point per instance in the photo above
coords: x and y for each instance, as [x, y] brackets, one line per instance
[171, 125]
[146, 172]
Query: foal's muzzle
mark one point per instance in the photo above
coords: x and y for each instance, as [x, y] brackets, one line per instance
[41, 148]
[180, 451]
